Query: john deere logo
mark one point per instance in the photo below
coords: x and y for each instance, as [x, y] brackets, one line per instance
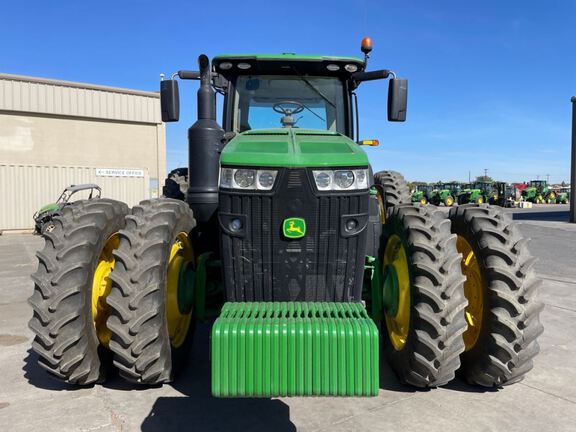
[294, 228]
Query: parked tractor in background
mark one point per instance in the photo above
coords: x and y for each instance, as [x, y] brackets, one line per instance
[444, 193]
[308, 262]
[478, 193]
[538, 192]
[422, 194]
[563, 196]
[506, 195]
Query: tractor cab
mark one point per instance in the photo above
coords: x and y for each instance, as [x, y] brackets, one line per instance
[540, 185]
[422, 193]
[453, 187]
[288, 91]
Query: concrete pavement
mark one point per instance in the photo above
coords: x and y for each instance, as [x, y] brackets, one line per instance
[545, 401]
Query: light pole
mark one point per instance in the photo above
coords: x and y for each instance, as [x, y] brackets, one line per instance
[573, 174]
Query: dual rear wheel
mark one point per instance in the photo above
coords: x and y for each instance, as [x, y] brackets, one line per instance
[113, 287]
[459, 294]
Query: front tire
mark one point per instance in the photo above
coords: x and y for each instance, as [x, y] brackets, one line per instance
[424, 319]
[503, 312]
[151, 328]
[69, 314]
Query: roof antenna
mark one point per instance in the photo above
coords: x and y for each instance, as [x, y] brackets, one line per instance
[366, 47]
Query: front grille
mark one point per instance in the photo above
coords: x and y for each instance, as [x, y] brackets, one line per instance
[262, 265]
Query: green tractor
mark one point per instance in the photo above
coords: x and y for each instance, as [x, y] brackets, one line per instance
[309, 264]
[538, 192]
[445, 193]
[422, 194]
[563, 197]
[479, 192]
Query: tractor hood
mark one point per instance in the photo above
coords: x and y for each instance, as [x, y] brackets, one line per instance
[293, 148]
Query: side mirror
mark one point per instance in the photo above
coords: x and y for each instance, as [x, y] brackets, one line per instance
[169, 100]
[397, 99]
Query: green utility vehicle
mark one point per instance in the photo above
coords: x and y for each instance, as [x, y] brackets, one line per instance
[444, 193]
[422, 194]
[539, 193]
[43, 218]
[309, 263]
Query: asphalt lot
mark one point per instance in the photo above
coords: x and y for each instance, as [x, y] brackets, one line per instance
[545, 401]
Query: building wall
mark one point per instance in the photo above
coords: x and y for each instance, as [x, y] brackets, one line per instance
[41, 140]
[57, 133]
[26, 188]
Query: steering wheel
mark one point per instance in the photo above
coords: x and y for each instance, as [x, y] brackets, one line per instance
[280, 109]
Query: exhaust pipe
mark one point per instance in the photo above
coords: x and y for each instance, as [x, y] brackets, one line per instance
[205, 142]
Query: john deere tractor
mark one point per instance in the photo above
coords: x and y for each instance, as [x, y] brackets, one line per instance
[539, 193]
[563, 196]
[479, 193]
[422, 194]
[444, 193]
[306, 263]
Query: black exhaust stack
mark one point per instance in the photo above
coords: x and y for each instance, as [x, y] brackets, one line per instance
[205, 142]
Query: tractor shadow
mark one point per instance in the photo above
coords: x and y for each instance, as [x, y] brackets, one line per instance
[38, 377]
[200, 411]
[549, 216]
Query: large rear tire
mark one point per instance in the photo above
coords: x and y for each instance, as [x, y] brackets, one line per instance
[503, 312]
[70, 287]
[424, 320]
[150, 328]
[176, 184]
[395, 188]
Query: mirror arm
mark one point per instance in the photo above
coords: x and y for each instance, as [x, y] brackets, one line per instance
[187, 75]
[359, 77]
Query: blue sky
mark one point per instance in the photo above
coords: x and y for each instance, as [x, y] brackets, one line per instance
[490, 81]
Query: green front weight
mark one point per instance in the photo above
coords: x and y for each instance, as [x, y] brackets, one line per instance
[294, 349]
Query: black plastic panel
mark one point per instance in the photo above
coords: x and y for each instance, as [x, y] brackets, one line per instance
[260, 264]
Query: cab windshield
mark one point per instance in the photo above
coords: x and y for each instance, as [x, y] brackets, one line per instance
[275, 101]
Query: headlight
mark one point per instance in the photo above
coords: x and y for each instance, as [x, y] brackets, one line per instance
[266, 179]
[341, 179]
[245, 178]
[323, 179]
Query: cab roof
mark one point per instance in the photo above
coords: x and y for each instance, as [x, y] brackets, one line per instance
[281, 63]
[287, 56]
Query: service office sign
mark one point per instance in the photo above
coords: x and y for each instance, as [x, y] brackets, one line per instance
[118, 172]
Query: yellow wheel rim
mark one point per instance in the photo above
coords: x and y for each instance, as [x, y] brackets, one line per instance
[480, 200]
[423, 201]
[178, 323]
[398, 326]
[474, 292]
[449, 201]
[101, 286]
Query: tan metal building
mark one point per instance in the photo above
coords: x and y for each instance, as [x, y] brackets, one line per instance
[57, 133]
